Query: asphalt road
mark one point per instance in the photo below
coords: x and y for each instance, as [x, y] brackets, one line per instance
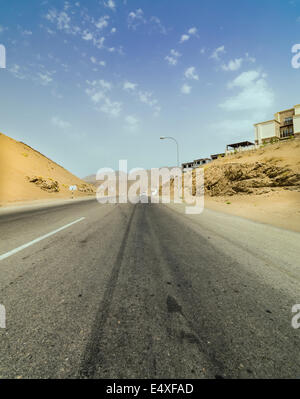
[145, 291]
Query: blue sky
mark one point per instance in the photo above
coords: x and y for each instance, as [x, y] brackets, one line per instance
[90, 82]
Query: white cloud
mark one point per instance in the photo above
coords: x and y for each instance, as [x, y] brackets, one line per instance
[217, 52]
[111, 108]
[249, 58]
[97, 97]
[157, 110]
[61, 124]
[132, 123]
[110, 4]
[50, 31]
[136, 18]
[233, 65]
[103, 22]
[144, 97]
[99, 43]
[132, 120]
[186, 89]
[105, 85]
[62, 19]
[25, 32]
[97, 91]
[129, 86]
[16, 70]
[175, 53]
[86, 35]
[45, 78]
[94, 61]
[114, 30]
[193, 31]
[88, 29]
[255, 94]
[245, 79]
[147, 98]
[56, 94]
[102, 83]
[184, 38]
[172, 59]
[190, 73]
[158, 25]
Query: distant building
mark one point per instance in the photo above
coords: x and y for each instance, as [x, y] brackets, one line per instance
[217, 156]
[286, 124]
[187, 166]
[195, 164]
[241, 146]
[200, 162]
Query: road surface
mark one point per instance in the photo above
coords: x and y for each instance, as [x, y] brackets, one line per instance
[145, 291]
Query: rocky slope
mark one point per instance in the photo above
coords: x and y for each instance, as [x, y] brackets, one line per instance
[252, 178]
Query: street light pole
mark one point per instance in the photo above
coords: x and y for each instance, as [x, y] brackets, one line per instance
[178, 161]
[172, 138]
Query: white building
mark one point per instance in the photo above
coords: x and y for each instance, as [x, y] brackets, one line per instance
[188, 166]
[286, 124]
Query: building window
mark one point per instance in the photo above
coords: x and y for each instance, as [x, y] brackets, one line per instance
[286, 132]
[288, 121]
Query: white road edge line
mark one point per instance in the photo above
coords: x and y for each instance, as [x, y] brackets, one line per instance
[14, 251]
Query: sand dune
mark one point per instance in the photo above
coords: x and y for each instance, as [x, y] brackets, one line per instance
[27, 175]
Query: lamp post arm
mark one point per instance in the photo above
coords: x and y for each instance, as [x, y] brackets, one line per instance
[172, 138]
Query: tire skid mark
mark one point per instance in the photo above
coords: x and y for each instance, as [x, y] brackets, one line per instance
[92, 355]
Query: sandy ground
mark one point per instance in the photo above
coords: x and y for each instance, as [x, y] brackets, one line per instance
[280, 209]
[18, 162]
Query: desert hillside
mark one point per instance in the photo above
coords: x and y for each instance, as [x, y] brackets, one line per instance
[26, 175]
[274, 167]
[262, 184]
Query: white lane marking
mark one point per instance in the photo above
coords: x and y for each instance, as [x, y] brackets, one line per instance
[14, 251]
